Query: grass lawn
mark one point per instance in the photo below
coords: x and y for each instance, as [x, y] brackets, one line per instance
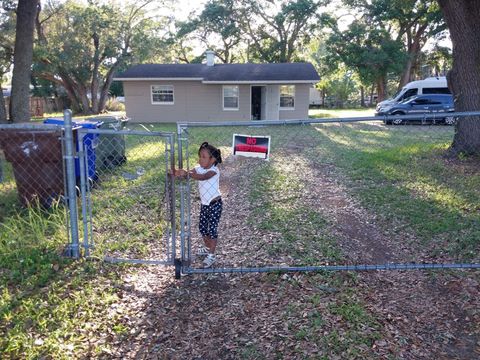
[340, 113]
[313, 113]
[53, 307]
[402, 175]
[399, 173]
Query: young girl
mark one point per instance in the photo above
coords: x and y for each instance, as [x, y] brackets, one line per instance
[208, 177]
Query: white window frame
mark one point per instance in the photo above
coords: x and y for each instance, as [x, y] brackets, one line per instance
[223, 98]
[280, 98]
[165, 86]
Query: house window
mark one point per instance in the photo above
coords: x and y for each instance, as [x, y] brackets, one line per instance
[162, 94]
[287, 97]
[230, 97]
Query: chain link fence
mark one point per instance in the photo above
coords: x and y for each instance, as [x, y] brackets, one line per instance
[129, 200]
[334, 194]
[109, 186]
[316, 194]
[33, 192]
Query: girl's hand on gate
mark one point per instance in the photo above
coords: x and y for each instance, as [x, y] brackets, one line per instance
[179, 172]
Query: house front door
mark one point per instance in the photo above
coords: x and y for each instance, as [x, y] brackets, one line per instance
[258, 104]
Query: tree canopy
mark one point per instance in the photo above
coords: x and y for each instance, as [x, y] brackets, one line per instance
[277, 30]
[85, 44]
[216, 28]
[371, 52]
[260, 31]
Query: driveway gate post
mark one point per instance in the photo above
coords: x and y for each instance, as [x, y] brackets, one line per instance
[73, 249]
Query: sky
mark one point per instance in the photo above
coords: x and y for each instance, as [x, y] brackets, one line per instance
[184, 7]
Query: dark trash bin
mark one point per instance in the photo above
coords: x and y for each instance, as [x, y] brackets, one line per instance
[111, 148]
[37, 161]
[90, 142]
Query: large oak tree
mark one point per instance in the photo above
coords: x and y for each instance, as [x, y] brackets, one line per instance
[276, 30]
[83, 46]
[411, 22]
[462, 18]
[371, 52]
[216, 28]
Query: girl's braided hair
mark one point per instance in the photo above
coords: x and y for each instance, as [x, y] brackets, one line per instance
[214, 152]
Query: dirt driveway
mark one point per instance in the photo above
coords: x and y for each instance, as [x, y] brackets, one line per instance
[363, 315]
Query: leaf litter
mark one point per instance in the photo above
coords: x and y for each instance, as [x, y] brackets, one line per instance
[380, 314]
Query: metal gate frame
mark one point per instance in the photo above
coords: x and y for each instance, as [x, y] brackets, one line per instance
[86, 201]
[183, 264]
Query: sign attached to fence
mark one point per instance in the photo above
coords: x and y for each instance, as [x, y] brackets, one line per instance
[251, 146]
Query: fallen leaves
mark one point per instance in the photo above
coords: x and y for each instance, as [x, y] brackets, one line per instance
[396, 314]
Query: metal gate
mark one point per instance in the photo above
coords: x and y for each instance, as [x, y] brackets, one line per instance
[303, 209]
[127, 199]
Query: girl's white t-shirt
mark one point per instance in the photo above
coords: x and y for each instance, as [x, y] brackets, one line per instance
[208, 189]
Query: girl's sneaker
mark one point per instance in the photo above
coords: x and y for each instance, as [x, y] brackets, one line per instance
[209, 260]
[203, 251]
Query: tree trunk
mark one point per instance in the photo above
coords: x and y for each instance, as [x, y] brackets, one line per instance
[414, 47]
[3, 111]
[381, 89]
[23, 54]
[362, 97]
[407, 72]
[462, 17]
[96, 66]
[372, 90]
[68, 86]
[38, 26]
[81, 93]
[106, 87]
[407, 69]
[103, 95]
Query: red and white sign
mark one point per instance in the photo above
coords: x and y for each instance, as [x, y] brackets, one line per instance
[251, 146]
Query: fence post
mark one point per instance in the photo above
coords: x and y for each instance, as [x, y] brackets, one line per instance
[171, 179]
[182, 222]
[83, 191]
[73, 249]
[180, 150]
[179, 262]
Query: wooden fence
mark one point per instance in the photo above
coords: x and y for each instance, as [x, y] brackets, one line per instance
[41, 105]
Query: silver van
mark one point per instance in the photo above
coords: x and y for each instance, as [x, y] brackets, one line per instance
[431, 85]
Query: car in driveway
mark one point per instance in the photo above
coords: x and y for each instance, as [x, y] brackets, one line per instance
[420, 104]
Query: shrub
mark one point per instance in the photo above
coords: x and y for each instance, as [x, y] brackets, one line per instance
[114, 105]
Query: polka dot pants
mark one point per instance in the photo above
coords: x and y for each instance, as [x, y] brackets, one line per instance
[209, 218]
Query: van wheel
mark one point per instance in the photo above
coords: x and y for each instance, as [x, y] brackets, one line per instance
[397, 121]
[450, 120]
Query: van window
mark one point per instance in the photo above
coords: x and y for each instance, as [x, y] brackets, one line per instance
[407, 94]
[436, 91]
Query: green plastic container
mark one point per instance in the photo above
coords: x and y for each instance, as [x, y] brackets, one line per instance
[110, 151]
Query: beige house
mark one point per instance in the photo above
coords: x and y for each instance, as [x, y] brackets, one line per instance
[217, 92]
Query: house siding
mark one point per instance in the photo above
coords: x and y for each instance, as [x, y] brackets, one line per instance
[194, 101]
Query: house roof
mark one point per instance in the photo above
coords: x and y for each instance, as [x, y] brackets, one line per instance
[224, 73]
